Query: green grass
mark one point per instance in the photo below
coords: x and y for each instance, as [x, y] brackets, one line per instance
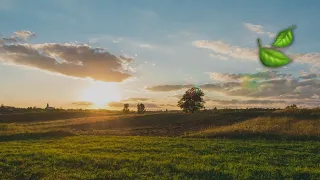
[123, 157]
[225, 144]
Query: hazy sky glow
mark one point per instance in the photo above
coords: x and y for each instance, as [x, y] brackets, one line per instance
[101, 54]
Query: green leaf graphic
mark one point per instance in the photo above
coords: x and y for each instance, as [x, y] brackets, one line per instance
[271, 57]
[284, 38]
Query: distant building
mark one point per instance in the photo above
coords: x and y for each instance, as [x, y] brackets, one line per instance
[48, 107]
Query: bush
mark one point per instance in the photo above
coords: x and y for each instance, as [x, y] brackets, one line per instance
[126, 108]
[141, 108]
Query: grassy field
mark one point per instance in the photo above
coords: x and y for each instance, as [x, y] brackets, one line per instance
[235, 144]
[97, 157]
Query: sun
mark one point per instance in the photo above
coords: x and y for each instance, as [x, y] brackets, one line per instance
[101, 93]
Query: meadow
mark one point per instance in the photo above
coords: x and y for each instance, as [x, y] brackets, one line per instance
[222, 144]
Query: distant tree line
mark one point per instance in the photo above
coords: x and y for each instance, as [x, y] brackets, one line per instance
[293, 106]
[140, 108]
[11, 110]
[191, 102]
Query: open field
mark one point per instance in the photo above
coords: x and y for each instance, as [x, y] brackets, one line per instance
[303, 124]
[250, 145]
[98, 157]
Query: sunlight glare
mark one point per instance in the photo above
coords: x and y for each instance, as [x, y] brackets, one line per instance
[101, 93]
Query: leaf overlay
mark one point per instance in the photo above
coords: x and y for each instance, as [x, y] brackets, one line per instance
[284, 38]
[271, 57]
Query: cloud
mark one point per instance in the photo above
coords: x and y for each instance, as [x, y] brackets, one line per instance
[23, 34]
[68, 59]
[116, 104]
[310, 58]
[168, 105]
[269, 84]
[126, 58]
[9, 40]
[18, 36]
[136, 99]
[82, 103]
[238, 77]
[168, 87]
[178, 96]
[225, 51]
[147, 46]
[309, 76]
[224, 77]
[258, 29]
[151, 105]
[247, 102]
[253, 103]
[219, 56]
[273, 88]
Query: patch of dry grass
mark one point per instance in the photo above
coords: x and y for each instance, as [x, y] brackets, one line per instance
[266, 126]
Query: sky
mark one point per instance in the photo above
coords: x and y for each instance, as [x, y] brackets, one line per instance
[103, 53]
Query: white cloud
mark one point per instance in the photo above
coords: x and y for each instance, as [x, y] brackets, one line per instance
[23, 34]
[148, 46]
[265, 85]
[310, 58]
[224, 77]
[67, 59]
[258, 29]
[262, 75]
[219, 56]
[18, 36]
[225, 50]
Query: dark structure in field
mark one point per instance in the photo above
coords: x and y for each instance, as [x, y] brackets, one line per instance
[48, 108]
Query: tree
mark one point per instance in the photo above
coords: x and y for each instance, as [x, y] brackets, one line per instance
[141, 108]
[293, 106]
[126, 108]
[192, 100]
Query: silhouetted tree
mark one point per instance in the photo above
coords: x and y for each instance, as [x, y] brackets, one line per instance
[293, 106]
[192, 100]
[126, 108]
[141, 108]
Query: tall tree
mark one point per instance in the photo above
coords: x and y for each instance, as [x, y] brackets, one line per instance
[141, 108]
[192, 100]
[126, 108]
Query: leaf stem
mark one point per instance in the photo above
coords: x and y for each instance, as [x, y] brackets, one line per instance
[258, 40]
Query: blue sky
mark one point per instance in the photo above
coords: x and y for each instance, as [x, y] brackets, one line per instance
[166, 39]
